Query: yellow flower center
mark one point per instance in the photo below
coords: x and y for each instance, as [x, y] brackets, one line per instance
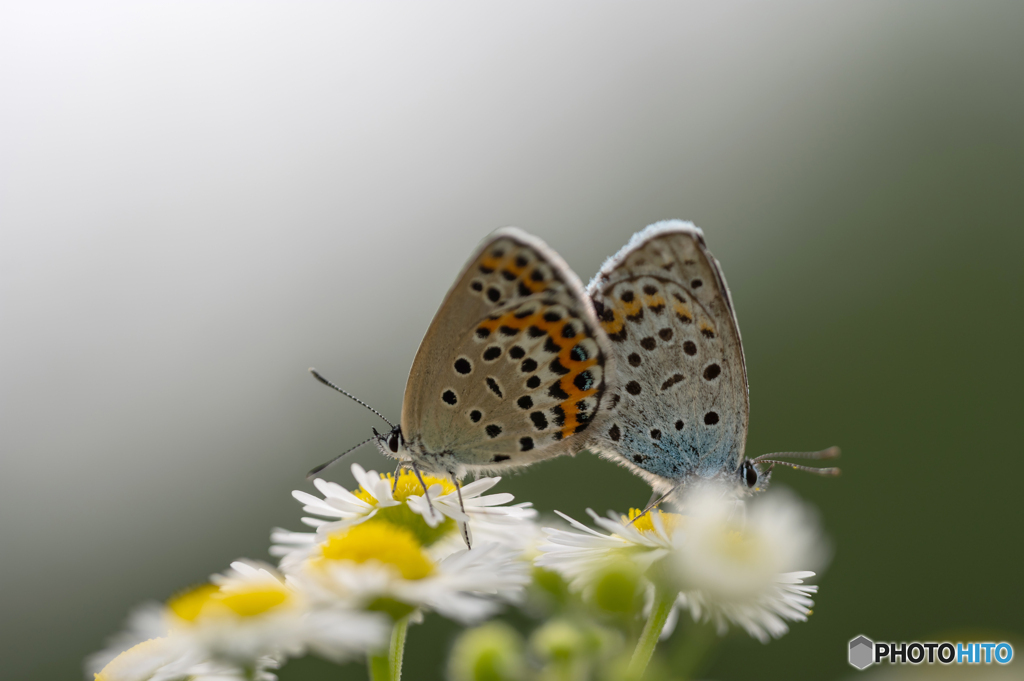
[382, 542]
[408, 485]
[257, 601]
[644, 523]
[403, 516]
[737, 545]
[189, 604]
[245, 601]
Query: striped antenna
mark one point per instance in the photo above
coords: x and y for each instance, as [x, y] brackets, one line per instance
[349, 395]
[345, 453]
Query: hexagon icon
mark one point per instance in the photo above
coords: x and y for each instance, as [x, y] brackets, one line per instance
[862, 652]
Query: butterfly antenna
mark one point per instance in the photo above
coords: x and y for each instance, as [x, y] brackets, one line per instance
[322, 466]
[830, 453]
[809, 469]
[349, 395]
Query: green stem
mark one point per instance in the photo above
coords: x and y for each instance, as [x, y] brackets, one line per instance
[387, 665]
[398, 648]
[379, 668]
[663, 602]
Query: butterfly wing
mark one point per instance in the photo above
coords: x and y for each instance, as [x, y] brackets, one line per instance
[514, 365]
[683, 407]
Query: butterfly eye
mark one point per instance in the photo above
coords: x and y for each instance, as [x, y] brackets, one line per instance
[393, 442]
[749, 474]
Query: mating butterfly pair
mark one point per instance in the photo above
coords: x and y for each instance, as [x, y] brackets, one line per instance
[644, 366]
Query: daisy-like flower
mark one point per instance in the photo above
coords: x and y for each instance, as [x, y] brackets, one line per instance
[160, 660]
[239, 625]
[381, 548]
[743, 568]
[437, 525]
[581, 554]
[378, 566]
[729, 563]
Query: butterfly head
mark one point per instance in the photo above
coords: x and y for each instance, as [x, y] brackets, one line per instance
[391, 443]
[752, 479]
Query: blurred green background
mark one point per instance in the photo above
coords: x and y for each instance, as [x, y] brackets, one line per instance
[200, 200]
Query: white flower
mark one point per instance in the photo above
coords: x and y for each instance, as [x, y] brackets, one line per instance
[743, 570]
[377, 565]
[245, 619]
[163, 659]
[149, 660]
[250, 612]
[581, 555]
[146, 622]
[729, 562]
[487, 517]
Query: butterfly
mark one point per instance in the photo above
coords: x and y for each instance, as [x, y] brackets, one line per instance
[682, 407]
[512, 369]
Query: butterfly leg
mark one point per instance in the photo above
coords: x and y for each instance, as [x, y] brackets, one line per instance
[463, 524]
[426, 493]
[655, 500]
[398, 471]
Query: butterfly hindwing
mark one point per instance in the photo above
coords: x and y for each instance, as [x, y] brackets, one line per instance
[682, 387]
[514, 365]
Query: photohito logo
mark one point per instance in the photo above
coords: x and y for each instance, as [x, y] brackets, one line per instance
[864, 652]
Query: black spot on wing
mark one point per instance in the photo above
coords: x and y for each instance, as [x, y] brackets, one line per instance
[493, 385]
[584, 381]
[556, 391]
[557, 368]
[671, 381]
[558, 416]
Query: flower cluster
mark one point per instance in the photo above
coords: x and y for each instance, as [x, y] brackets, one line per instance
[379, 556]
[729, 562]
[376, 557]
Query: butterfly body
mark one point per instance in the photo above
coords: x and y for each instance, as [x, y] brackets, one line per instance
[682, 404]
[514, 366]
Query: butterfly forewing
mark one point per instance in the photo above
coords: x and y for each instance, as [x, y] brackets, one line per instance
[682, 406]
[514, 365]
